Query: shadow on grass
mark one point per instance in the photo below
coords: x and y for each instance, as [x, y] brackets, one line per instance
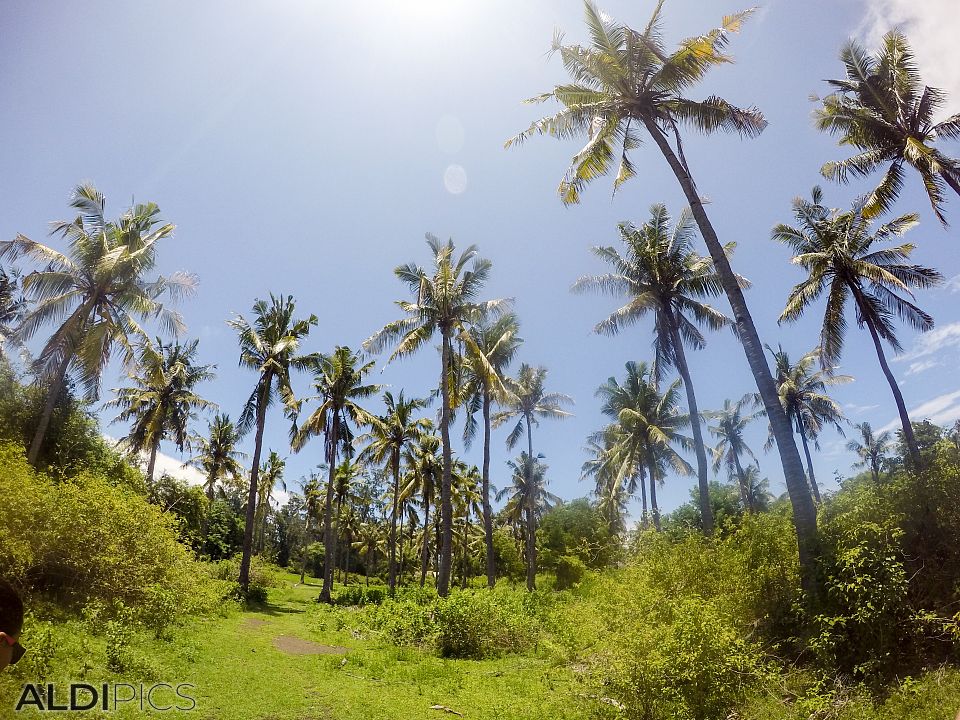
[273, 609]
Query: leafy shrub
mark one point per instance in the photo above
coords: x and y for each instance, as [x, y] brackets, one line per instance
[360, 595]
[570, 571]
[263, 576]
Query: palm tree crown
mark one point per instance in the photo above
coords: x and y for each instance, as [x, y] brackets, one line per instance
[871, 448]
[728, 427]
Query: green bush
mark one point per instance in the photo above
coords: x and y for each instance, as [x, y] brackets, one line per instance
[359, 595]
[570, 571]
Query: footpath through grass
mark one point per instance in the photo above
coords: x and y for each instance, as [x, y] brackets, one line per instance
[294, 658]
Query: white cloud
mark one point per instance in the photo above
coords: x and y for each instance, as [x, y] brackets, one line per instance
[921, 366]
[930, 343]
[175, 468]
[932, 27]
[853, 408]
[953, 284]
[942, 410]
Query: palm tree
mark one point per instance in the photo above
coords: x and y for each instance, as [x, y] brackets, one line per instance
[626, 82]
[425, 462]
[339, 383]
[648, 423]
[661, 273]
[837, 250]
[12, 305]
[97, 292]
[369, 543]
[343, 493]
[758, 488]
[882, 109]
[528, 401]
[218, 457]
[311, 503]
[163, 399]
[467, 500]
[270, 474]
[390, 434]
[871, 448]
[729, 426]
[269, 346]
[612, 495]
[527, 498]
[446, 299]
[497, 343]
[802, 393]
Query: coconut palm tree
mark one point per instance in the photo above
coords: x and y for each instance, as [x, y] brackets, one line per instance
[340, 386]
[871, 448]
[12, 305]
[343, 494]
[425, 462]
[660, 273]
[612, 495]
[218, 457]
[728, 427]
[758, 488]
[802, 392]
[369, 543]
[838, 251]
[270, 474]
[270, 346]
[467, 501]
[390, 434]
[312, 495]
[625, 83]
[882, 108]
[527, 498]
[446, 300]
[497, 343]
[163, 399]
[97, 292]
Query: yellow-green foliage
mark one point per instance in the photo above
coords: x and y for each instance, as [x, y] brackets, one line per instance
[96, 544]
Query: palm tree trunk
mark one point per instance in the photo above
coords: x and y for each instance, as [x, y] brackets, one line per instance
[466, 549]
[336, 536]
[403, 510]
[745, 494]
[333, 437]
[205, 530]
[806, 452]
[53, 393]
[804, 511]
[706, 511]
[531, 513]
[487, 510]
[446, 500]
[303, 553]
[244, 579]
[905, 423]
[346, 561]
[392, 570]
[654, 509]
[152, 464]
[644, 519]
[426, 543]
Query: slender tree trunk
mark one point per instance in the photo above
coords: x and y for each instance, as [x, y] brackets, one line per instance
[531, 513]
[329, 550]
[152, 464]
[53, 393]
[369, 565]
[392, 570]
[487, 510]
[644, 518]
[905, 423]
[403, 510]
[303, 553]
[446, 500]
[424, 563]
[466, 549]
[804, 511]
[654, 509]
[806, 452]
[346, 562]
[205, 530]
[336, 536]
[706, 511]
[745, 493]
[244, 579]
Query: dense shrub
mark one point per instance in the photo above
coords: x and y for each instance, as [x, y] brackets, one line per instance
[570, 571]
[360, 595]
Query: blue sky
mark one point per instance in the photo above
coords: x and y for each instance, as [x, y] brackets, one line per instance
[306, 147]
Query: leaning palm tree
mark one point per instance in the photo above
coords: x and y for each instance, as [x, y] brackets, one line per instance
[838, 251]
[626, 82]
[660, 273]
[218, 457]
[803, 395]
[390, 434]
[882, 108]
[163, 399]
[446, 300]
[270, 474]
[871, 448]
[728, 427]
[340, 386]
[497, 343]
[269, 345]
[97, 293]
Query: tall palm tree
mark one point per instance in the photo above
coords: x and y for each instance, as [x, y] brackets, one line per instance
[467, 501]
[838, 251]
[497, 343]
[425, 462]
[97, 293]
[626, 82]
[343, 494]
[528, 401]
[527, 498]
[803, 395]
[871, 448]
[728, 427]
[339, 383]
[612, 495]
[270, 346]
[882, 108]
[390, 434]
[649, 421]
[163, 399]
[446, 300]
[218, 457]
[270, 474]
[660, 273]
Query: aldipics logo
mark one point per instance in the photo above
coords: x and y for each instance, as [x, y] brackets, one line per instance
[109, 697]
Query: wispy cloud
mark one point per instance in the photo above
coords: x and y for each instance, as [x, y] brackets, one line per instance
[854, 409]
[942, 410]
[931, 25]
[921, 365]
[930, 343]
[953, 284]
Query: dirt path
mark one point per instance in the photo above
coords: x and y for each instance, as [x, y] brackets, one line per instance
[298, 646]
